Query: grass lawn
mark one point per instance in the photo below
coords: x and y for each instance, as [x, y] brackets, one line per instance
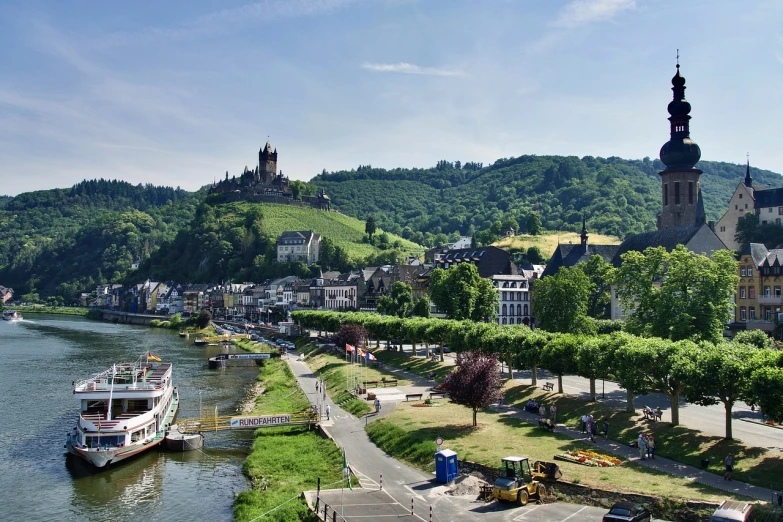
[420, 365]
[757, 466]
[409, 434]
[335, 371]
[284, 461]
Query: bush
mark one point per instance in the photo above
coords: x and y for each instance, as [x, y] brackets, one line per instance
[204, 318]
[607, 326]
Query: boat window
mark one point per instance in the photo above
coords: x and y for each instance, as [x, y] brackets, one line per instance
[104, 441]
[136, 435]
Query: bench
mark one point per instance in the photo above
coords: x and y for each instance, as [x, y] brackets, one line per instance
[542, 423]
[368, 383]
[651, 414]
[389, 382]
[548, 386]
[438, 394]
[416, 396]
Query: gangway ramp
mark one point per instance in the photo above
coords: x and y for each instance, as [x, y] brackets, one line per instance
[209, 422]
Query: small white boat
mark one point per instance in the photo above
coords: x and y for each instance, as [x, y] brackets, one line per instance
[124, 411]
[12, 315]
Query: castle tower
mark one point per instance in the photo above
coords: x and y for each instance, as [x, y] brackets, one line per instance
[267, 164]
[681, 193]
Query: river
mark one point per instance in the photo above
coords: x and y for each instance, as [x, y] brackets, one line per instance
[41, 357]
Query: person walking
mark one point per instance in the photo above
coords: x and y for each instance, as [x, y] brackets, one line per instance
[584, 422]
[377, 405]
[316, 386]
[553, 413]
[651, 446]
[642, 447]
[593, 427]
[589, 428]
[328, 411]
[729, 463]
[606, 428]
[542, 411]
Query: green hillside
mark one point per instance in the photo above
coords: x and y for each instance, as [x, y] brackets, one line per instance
[236, 241]
[617, 196]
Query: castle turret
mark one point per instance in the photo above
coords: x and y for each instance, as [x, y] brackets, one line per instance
[681, 193]
[267, 164]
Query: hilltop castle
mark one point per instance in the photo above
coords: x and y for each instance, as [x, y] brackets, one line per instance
[265, 184]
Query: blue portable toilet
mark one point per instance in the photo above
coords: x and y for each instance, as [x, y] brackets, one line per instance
[445, 466]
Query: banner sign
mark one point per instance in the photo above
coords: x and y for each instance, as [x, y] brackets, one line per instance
[260, 422]
[250, 356]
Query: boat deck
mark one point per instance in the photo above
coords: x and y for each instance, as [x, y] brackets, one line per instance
[138, 376]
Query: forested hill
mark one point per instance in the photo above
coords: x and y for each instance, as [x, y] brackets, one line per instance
[618, 196]
[65, 241]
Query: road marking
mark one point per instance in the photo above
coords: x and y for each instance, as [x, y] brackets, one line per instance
[574, 514]
[526, 513]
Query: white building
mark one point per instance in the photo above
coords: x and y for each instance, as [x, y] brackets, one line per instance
[299, 246]
[514, 306]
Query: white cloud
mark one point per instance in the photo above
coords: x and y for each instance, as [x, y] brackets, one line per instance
[583, 12]
[411, 68]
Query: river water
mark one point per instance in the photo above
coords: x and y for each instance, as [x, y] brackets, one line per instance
[40, 357]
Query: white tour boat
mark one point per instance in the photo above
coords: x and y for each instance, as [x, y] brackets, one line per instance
[12, 315]
[125, 410]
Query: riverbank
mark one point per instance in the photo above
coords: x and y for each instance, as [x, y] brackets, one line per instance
[56, 310]
[283, 461]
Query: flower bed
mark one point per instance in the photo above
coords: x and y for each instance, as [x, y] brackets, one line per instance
[589, 458]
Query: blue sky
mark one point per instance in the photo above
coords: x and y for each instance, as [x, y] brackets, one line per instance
[179, 92]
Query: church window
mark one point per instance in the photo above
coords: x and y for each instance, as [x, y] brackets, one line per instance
[665, 193]
[690, 192]
[676, 192]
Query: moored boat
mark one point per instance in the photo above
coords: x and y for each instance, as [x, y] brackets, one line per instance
[124, 411]
[12, 315]
[199, 341]
[183, 334]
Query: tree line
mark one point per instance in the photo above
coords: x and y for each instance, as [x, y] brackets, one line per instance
[724, 372]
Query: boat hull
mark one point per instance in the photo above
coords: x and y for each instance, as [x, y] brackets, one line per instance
[103, 458]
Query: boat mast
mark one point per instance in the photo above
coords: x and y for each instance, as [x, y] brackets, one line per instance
[111, 390]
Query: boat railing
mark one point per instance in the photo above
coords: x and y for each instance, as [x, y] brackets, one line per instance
[88, 386]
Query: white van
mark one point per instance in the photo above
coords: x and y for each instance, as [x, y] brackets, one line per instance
[733, 511]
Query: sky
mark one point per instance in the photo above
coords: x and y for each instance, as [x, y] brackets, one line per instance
[177, 93]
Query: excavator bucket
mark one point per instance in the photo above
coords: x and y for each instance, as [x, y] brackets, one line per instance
[546, 470]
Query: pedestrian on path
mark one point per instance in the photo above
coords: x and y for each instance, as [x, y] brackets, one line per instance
[589, 428]
[316, 385]
[651, 447]
[553, 413]
[328, 411]
[500, 402]
[606, 428]
[729, 463]
[585, 417]
[377, 405]
[642, 447]
[542, 410]
[593, 428]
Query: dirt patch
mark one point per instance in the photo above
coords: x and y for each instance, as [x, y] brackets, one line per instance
[468, 485]
[252, 393]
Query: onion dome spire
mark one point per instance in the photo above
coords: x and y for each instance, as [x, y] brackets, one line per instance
[680, 152]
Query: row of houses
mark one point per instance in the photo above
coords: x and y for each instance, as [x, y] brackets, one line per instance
[355, 290]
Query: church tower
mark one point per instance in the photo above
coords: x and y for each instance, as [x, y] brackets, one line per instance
[267, 164]
[681, 194]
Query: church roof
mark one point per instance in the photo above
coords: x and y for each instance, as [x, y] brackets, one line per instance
[769, 198]
[572, 255]
[668, 238]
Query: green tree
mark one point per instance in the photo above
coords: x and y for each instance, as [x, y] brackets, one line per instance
[461, 293]
[422, 307]
[678, 295]
[766, 390]
[601, 275]
[533, 224]
[560, 301]
[370, 227]
[203, 319]
[534, 255]
[757, 338]
[559, 356]
[592, 362]
[399, 302]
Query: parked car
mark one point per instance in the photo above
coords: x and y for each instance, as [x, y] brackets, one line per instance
[627, 512]
[733, 511]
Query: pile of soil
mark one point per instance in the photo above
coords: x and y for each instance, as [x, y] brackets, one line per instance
[468, 485]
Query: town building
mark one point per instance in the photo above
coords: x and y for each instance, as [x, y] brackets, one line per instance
[571, 255]
[6, 294]
[489, 260]
[514, 306]
[759, 298]
[299, 246]
[343, 292]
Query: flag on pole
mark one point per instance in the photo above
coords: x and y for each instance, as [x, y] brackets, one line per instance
[346, 469]
[370, 357]
[151, 357]
[349, 348]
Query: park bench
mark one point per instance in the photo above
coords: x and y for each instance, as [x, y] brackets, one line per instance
[368, 383]
[438, 394]
[389, 382]
[548, 386]
[411, 396]
[542, 423]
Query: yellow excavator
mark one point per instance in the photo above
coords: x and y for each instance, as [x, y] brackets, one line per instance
[519, 483]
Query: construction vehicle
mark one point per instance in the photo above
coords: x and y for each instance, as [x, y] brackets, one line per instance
[518, 483]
